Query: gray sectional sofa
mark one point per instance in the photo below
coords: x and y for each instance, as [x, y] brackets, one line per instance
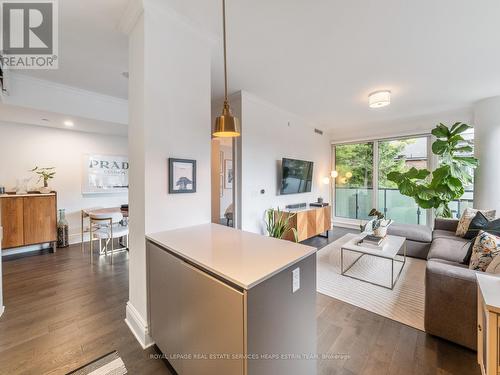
[450, 287]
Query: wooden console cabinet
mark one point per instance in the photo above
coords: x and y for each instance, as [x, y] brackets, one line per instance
[28, 219]
[309, 222]
[488, 328]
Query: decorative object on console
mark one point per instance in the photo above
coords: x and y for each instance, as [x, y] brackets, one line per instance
[44, 174]
[22, 186]
[62, 229]
[468, 215]
[181, 176]
[278, 223]
[448, 181]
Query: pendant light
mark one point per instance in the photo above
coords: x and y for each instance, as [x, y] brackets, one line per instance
[226, 125]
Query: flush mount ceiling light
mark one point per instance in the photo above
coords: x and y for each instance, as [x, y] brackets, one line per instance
[226, 125]
[379, 99]
[69, 123]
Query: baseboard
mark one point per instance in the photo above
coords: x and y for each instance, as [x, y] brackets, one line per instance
[138, 326]
[2, 309]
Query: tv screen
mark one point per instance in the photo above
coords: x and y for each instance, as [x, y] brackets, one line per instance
[296, 176]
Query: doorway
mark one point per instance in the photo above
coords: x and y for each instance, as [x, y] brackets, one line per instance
[223, 182]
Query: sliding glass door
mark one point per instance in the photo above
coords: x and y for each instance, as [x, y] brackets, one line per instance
[399, 155]
[361, 182]
[354, 181]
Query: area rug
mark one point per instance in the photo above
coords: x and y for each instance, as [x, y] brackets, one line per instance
[405, 303]
[108, 364]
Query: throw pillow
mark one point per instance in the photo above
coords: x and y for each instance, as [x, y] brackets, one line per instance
[468, 215]
[486, 248]
[481, 222]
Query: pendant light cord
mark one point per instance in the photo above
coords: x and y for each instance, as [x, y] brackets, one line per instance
[225, 57]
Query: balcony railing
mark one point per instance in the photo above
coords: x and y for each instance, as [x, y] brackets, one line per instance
[356, 203]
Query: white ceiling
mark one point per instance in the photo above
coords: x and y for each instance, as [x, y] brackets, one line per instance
[93, 53]
[320, 58]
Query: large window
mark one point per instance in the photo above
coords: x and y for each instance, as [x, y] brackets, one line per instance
[354, 183]
[362, 183]
[400, 155]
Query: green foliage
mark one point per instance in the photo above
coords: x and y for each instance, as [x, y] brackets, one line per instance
[448, 181]
[278, 223]
[357, 159]
[44, 174]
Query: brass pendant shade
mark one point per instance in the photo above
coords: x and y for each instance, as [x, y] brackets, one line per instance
[226, 125]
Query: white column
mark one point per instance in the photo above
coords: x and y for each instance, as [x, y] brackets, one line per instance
[170, 117]
[487, 150]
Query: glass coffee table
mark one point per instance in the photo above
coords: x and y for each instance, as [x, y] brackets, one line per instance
[390, 248]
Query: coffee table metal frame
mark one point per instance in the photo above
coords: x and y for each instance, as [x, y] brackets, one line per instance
[392, 259]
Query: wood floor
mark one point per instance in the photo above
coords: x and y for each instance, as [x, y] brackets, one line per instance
[62, 312]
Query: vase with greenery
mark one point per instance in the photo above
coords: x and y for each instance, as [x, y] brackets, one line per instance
[435, 190]
[44, 174]
[378, 225]
[278, 223]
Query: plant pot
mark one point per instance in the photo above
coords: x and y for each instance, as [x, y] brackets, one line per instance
[380, 232]
[45, 190]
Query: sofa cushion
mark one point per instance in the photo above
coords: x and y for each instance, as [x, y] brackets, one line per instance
[412, 232]
[450, 249]
[439, 233]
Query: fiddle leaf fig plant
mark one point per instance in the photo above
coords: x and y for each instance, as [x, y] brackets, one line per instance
[435, 190]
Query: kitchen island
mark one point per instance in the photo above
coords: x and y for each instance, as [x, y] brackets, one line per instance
[223, 301]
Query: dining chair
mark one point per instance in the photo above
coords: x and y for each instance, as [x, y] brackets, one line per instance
[107, 226]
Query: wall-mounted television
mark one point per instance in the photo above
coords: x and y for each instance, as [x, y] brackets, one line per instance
[296, 176]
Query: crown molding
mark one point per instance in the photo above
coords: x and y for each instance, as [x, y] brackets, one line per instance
[130, 16]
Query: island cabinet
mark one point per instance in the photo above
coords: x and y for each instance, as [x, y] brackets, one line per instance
[222, 301]
[28, 219]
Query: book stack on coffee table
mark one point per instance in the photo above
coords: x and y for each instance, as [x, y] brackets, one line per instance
[372, 241]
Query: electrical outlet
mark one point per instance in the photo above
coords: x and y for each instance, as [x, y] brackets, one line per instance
[295, 280]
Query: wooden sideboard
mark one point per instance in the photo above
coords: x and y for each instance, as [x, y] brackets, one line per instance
[309, 222]
[28, 219]
[488, 327]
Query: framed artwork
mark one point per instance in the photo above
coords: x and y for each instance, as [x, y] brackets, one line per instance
[181, 176]
[228, 174]
[221, 186]
[104, 174]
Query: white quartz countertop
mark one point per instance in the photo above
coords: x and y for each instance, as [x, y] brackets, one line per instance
[243, 258]
[490, 289]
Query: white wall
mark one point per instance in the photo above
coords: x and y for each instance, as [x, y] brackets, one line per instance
[268, 135]
[25, 146]
[169, 90]
[486, 142]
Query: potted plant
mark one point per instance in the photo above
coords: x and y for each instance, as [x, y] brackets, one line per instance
[445, 184]
[378, 225]
[278, 223]
[44, 174]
